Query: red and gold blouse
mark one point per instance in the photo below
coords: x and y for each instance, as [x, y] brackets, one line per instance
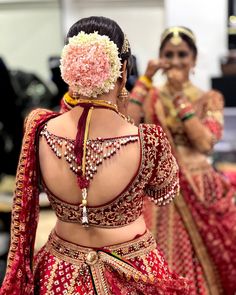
[157, 177]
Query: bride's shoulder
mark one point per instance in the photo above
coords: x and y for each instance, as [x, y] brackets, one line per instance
[38, 115]
[151, 133]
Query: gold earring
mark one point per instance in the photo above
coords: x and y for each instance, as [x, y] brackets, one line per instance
[124, 95]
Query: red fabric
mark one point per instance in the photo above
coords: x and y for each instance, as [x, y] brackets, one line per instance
[231, 175]
[79, 141]
[56, 276]
[214, 126]
[217, 225]
[19, 277]
[79, 146]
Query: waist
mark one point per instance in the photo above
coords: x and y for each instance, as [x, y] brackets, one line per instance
[99, 236]
[78, 254]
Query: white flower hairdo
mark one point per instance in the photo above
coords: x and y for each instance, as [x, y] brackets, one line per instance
[90, 64]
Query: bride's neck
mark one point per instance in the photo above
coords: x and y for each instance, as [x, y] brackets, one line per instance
[110, 96]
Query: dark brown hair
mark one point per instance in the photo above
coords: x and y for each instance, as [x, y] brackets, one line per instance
[190, 42]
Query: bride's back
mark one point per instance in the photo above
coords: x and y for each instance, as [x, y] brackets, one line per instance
[81, 173]
[112, 176]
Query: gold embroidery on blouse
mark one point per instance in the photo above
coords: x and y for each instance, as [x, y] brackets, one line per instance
[115, 213]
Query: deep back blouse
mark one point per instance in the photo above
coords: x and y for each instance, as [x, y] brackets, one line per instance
[156, 177]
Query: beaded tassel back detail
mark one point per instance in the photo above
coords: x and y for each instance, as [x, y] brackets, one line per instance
[97, 151]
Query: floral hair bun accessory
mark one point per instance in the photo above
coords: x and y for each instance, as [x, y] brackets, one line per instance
[90, 64]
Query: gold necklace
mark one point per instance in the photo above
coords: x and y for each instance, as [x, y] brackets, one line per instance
[71, 102]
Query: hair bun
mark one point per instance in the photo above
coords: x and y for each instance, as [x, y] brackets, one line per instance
[90, 64]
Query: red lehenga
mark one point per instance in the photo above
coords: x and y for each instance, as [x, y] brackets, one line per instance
[61, 267]
[197, 232]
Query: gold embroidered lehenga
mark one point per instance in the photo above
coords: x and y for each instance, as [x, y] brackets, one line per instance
[61, 267]
[197, 232]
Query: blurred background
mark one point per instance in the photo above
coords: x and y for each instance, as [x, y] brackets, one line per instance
[32, 35]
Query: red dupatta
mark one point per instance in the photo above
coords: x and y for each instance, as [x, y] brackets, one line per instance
[25, 211]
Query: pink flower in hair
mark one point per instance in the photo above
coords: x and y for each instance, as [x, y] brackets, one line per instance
[90, 64]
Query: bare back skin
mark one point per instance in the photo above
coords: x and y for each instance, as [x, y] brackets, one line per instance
[112, 177]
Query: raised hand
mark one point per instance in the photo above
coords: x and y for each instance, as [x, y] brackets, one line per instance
[154, 65]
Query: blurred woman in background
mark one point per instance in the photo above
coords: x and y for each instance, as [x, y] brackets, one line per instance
[197, 232]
